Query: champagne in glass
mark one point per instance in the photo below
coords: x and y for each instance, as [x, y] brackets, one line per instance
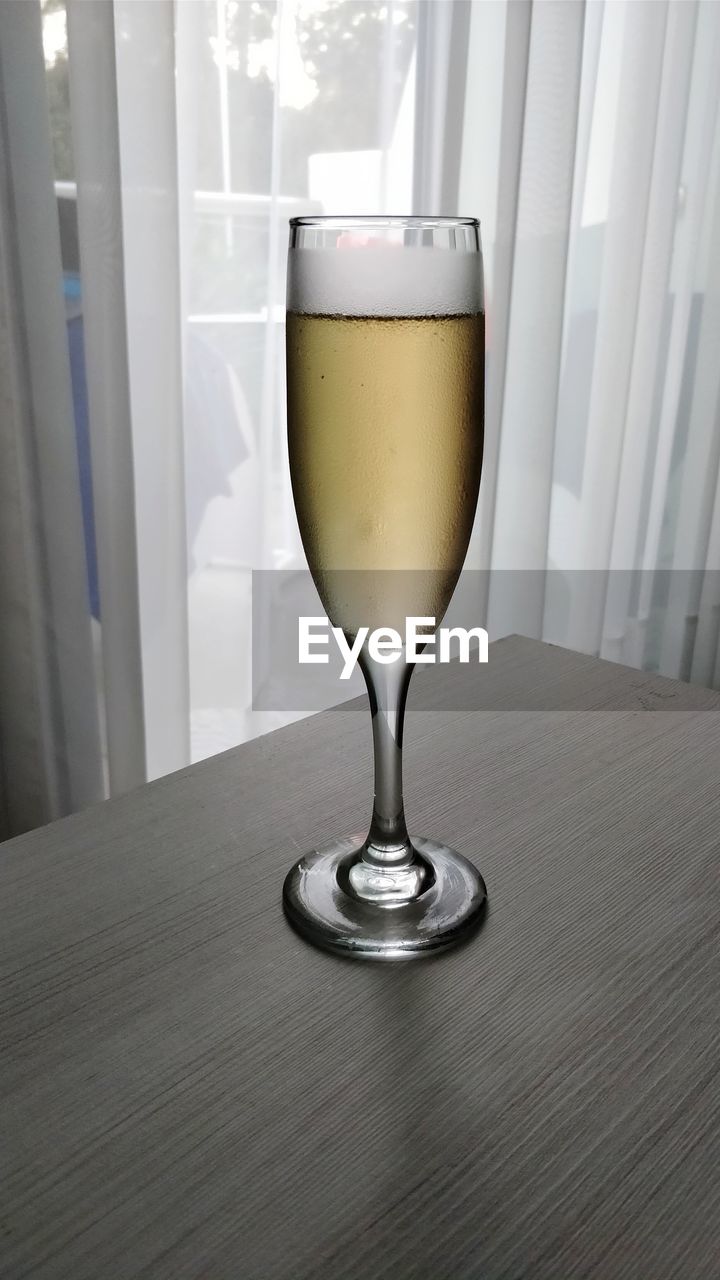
[385, 426]
[385, 368]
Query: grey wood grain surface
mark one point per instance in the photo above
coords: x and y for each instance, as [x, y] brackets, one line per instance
[189, 1090]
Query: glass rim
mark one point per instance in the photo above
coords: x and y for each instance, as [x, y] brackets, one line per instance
[343, 221]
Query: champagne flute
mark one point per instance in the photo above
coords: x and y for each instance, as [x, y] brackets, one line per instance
[385, 378]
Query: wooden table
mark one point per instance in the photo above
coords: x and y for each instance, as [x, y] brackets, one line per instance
[189, 1090]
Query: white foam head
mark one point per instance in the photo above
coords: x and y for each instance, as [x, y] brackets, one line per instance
[385, 279]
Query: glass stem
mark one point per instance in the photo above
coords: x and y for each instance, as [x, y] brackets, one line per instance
[387, 870]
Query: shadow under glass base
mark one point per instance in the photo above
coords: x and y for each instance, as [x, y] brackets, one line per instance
[319, 903]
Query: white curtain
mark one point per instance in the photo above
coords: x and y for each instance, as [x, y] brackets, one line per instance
[50, 760]
[591, 140]
[584, 135]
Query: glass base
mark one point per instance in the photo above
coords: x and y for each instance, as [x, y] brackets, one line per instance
[319, 903]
